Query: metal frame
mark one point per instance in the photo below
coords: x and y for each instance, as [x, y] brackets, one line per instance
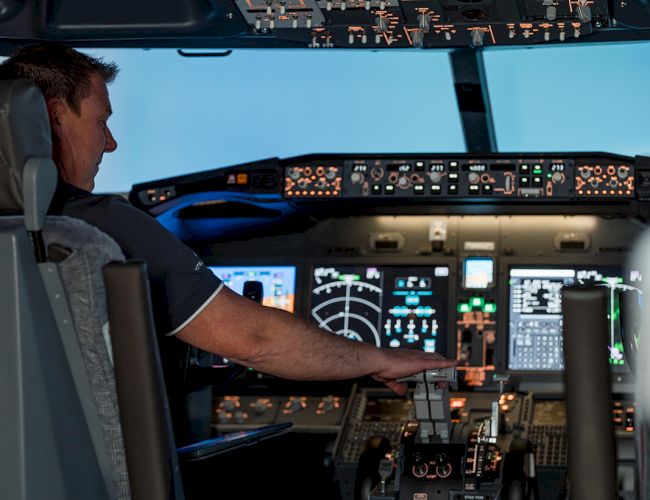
[470, 83]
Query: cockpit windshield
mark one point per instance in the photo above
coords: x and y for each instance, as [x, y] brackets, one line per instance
[176, 115]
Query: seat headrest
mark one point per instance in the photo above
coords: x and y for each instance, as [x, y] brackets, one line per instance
[24, 134]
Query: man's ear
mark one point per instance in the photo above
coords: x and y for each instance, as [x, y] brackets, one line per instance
[56, 110]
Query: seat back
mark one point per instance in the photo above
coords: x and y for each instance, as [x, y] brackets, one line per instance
[59, 422]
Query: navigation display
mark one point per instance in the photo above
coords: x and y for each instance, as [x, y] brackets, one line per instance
[278, 283]
[535, 330]
[388, 306]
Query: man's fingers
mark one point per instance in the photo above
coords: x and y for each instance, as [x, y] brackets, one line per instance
[442, 363]
[399, 388]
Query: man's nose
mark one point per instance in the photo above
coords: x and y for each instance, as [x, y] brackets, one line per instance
[111, 143]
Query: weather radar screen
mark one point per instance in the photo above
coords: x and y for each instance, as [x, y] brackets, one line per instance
[387, 306]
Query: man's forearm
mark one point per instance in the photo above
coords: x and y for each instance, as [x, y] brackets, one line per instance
[290, 347]
[278, 343]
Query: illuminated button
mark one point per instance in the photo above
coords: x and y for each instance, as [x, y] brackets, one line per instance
[477, 301]
[436, 189]
[419, 166]
[537, 181]
[524, 169]
[389, 189]
[452, 189]
[242, 179]
[453, 177]
[474, 189]
[463, 308]
[453, 166]
[524, 181]
[487, 188]
[537, 170]
[418, 189]
[376, 189]
[490, 308]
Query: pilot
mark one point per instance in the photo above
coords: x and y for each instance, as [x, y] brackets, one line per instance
[189, 302]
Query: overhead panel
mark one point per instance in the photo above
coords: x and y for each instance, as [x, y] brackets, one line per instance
[324, 23]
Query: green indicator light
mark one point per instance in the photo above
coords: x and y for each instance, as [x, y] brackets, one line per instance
[618, 346]
[490, 308]
[463, 308]
[549, 175]
[477, 301]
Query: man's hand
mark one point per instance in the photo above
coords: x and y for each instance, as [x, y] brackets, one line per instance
[401, 363]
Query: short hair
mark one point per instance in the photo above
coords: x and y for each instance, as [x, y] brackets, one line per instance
[59, 71]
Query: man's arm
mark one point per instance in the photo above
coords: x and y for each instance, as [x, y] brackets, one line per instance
[275, 342]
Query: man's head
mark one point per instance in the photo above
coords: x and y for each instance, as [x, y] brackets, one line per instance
[74, 86]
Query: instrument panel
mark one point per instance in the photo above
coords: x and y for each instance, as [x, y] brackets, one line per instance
[477, 285]
[485, 290]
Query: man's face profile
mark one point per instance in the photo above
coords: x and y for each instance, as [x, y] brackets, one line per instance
[82, 139]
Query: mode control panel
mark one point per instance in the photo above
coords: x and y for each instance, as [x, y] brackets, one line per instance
[516, 178]
[499, 177]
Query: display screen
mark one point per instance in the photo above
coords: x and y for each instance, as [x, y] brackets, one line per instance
[535, 330]
[278, 283]
[387, 306]
[478, 273]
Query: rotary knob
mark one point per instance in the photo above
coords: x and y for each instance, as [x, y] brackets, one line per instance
[377, 173]
[224, 417]
[473, 178]
[241, 417]
[293, 405]
[420, 470]
[557, 178]
[260, 406]
[356, 178]
[228, 405]
[435, 177]
[444, 470]
[329, 403]
[403, 182]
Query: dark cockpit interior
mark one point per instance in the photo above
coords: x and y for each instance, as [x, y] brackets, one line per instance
[525, 267]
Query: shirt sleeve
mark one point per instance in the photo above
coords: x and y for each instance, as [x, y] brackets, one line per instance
[181, 285]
